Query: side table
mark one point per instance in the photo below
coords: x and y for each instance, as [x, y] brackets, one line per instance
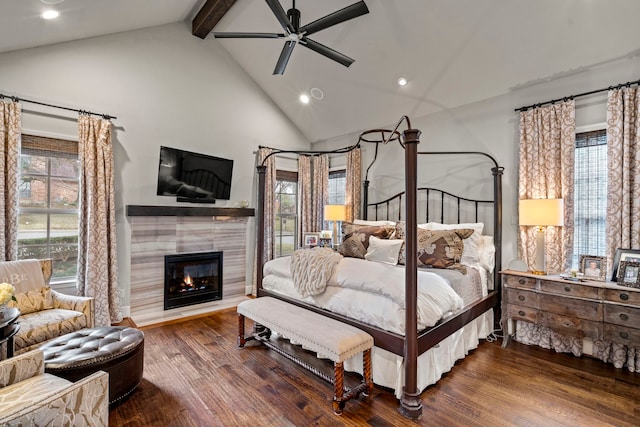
[8, 328]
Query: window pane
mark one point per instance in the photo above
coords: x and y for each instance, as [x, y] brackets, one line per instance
[288, 204]
[64, 193]
[65, 167]
[34, 190]
[33, 165]
[32, 226]
[64, 225]
[337, 187]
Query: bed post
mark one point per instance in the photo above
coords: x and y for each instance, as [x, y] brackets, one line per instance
[260, 218]
[365, 200]
[498, 171]
[410, 403]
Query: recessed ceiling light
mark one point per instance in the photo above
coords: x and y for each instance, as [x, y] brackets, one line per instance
[50, 14]
[402, 81]
[317, 93]
[304, 98]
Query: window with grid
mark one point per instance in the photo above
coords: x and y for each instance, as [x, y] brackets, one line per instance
[590, 195]
[48, 205]
[286, 213]
[337, 187]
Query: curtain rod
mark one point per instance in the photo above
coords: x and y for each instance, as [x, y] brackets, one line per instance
[566, 98]
[16, 99]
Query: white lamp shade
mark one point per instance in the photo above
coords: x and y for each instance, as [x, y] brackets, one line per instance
[541, 212]
[335, 212]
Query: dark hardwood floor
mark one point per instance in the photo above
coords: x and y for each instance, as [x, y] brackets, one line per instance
[195, 375]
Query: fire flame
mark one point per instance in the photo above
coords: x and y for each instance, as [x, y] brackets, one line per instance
[187, 280]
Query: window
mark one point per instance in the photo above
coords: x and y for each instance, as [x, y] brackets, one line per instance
[337, 187]
[286, 213]
[48, 205]
[590, 195]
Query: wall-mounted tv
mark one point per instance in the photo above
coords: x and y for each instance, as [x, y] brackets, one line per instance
[193, 177]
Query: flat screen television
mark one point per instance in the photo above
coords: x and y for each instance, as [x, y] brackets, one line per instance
[193, 177]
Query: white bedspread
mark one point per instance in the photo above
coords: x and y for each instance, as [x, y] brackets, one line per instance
[371, 292]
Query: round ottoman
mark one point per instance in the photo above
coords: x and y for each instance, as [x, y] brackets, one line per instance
[117, 350]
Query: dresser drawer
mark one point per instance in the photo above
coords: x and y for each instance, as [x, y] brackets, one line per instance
[622, 335]
[520, 297]
[520, 282]
[569, 289]
[570, 325]
[576, 307]
[622, 296]
[622, 315]
[521, 312]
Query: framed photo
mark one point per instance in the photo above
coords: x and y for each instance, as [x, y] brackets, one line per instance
[631, 255]
[593, 267]
[326, 234]
[629, 274]
[311, 240]
[324, 242]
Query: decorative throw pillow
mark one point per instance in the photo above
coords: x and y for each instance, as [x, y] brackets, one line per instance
[385, 251]
[355, 241]
[472, 246]
[33, 300]
[437, 248]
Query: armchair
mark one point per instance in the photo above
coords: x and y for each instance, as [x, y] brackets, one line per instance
[45, 313]
[29, 396]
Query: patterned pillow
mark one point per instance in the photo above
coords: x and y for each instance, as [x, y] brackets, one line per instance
[355, 241]
[33, 300]
[437, 248]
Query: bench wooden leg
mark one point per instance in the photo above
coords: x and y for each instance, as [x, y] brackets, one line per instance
[338, 401]
[241, 339]
[367, 372]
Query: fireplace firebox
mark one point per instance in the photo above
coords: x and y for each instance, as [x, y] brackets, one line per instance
[192, 278]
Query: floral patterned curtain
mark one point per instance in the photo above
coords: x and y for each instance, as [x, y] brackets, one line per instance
[97, 254]
[320, 190]
[10, 131]
[547, 147]
[623, 161]
[353, 187]
[304, 183]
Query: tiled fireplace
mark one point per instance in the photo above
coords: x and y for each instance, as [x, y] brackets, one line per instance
[192, 278]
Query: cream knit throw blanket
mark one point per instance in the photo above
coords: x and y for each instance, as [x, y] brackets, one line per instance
[312, 268]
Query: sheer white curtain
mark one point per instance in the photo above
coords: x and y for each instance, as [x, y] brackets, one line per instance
[97, 252]
[10, 131]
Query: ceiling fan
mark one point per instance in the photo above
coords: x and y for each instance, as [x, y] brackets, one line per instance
[290, 22]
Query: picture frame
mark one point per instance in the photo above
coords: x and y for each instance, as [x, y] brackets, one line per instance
[631, 255]
[326, 234]
[325, 242]
[311, 240]
[629, 274]
[593, 267]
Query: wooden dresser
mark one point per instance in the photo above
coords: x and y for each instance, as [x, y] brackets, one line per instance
[598, 310]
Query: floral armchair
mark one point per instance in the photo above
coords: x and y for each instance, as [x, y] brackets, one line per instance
[44, 313]
[31, 397]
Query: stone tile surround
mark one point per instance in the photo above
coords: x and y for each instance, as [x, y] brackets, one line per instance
[153, 237]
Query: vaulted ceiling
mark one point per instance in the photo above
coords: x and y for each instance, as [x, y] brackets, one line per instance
[452, 52]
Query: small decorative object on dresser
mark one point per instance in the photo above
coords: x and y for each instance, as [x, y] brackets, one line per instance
[593, 267]
[324, 242]
[628, 274]
[310, 240]
[630, 255]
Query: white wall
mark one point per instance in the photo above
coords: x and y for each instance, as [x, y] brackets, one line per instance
[490, 126]
[166, 87]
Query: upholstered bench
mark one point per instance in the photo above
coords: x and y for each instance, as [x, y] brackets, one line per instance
[329, 338]
[117, 350]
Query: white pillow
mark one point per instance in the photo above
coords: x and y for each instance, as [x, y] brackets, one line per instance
[383, 250]
[488, 253]
[374, 223]
[472, 245]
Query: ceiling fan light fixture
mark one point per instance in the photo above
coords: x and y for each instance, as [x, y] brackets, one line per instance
[402, 81]
[304, 98]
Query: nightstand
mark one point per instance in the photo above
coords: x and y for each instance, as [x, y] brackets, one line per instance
[597, 310]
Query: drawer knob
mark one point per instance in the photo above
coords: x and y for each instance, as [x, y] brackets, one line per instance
[624, 335]
[624, 297]
[623, 316]
[522, 281]
[521, 297]
[521, 313]
[567, 289]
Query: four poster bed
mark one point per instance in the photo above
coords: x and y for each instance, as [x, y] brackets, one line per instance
[419, 329]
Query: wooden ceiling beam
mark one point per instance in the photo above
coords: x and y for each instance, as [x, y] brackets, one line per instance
[208, 16]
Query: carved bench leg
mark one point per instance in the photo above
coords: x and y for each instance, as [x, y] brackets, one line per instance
[367, 373]
[338, 402]
[241, 339]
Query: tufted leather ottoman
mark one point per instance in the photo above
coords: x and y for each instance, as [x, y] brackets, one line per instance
[117, 350]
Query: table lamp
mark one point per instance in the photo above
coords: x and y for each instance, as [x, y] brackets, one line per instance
[541, 213]
[335, 213]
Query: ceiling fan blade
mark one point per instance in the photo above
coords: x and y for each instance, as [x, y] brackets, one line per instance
[284, 57]
[345, 14]
[327, 51]
[281, 15]
[248, 35]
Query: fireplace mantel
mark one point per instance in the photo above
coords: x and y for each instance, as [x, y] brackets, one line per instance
[138, 210]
